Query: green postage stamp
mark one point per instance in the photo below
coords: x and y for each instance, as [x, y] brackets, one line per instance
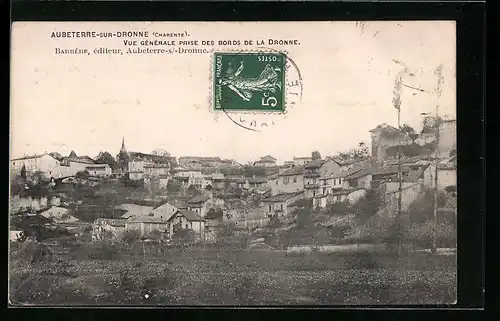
[250, 81]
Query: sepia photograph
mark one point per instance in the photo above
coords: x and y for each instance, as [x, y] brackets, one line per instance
[233, 163]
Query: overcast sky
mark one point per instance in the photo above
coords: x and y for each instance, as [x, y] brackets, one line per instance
[88, 103]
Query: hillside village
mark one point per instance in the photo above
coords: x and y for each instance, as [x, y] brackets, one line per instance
[159, 194]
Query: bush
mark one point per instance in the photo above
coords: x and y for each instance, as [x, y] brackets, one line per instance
[368, 205]
[361, 260]
[184, 236]
[82, 174]
[340, 208]
[130, 237]
[422, 209]
[34, 252]
[303, 217]
[101, 251]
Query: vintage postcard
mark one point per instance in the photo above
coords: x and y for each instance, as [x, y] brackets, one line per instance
[233, 163]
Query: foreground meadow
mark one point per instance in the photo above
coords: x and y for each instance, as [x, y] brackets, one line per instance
[248, 277]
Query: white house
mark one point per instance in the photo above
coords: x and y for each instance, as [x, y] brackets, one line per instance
[165, 211]
[146, 224]
[186, 220]
[59, 215]
[134, 210]
[266, 161]
[278, 204]
[447, 176]
[301, 161]
[352, 195]
[315, 170]
[44, 163]
[99, 170]
[290, 181]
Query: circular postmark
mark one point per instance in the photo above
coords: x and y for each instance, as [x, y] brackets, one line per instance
[255, 89]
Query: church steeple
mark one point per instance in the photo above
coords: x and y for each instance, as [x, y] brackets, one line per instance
[123, 149]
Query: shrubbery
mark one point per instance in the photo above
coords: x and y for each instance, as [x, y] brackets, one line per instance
[101, 251]
[33, 252]
[361, 260]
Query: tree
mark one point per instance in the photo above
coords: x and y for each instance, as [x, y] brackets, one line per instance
[106, 158]
[18, 186]
[155, 235]
[37, 177]
[192, 190]
[173, 186]
[362, 152]
[82, 174]
[315, 155]
[122, 160]
[23, 172]
[429, 124]
[251, 171]
[368, 205]
[184, 236]
[409, 132]
[56, 155]
[214, 213]
[130, 237]
[303, 217]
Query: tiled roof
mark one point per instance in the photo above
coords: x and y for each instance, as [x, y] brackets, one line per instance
[31, 157]
[281, 197]
[345, 162]
[257, 180]
[264, 161]
[362, 172]
[198, 199]
[154, 158]
[83, 160]
[345, 191]
[111, 221]
[384, 126]
[292, 172]
[301, 202]
[315, 164]
[146, 219]
[134, 209]
[190, 215]
[391, 170]
[272, 176]
[99, 166]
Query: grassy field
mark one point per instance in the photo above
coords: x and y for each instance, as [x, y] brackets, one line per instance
[258, 277]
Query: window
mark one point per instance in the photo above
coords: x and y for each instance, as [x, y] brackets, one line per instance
[270, 209]
[286, 180]
[187, 225]
[281, 207]
[276, 182]
[314, 193]
[295, 179]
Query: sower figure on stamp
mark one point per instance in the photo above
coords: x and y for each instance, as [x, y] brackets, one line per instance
[243, 87]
